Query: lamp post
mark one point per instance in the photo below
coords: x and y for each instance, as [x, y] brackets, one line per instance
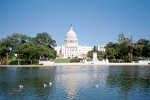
[16, 55]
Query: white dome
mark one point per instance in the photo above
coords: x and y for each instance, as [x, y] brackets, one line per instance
[71, 37]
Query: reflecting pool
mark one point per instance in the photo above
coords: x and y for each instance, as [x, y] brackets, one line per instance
[75, 83]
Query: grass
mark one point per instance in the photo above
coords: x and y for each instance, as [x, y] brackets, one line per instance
[62, 60]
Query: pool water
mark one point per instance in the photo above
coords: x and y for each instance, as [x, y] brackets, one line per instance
[75, 83]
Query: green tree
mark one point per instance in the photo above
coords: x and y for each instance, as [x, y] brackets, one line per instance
[10, 43]
[15, 39]
[121, 37]
[29, 52]
[137, 52]
[2, 51]
[125, 50]
[27, 48]
[32, 52]
[46, 52]
[128, 46]
[113, 51]
[121, 50]
[145, 44]
[44, 39]
[110, 53]
[5, 49]
[45, 45]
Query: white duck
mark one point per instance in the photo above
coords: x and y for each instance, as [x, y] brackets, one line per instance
[50, 83]
[45, 85]
[21, 86]
[96, 85]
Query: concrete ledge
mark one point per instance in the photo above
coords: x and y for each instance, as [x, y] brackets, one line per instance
[79, 64]
[46, 62]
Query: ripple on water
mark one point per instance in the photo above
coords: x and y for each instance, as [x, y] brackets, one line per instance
[76, 83]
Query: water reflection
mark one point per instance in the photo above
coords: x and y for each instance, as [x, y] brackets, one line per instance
[77, 79]
[31, 78]
[76, 83]
[129, 79]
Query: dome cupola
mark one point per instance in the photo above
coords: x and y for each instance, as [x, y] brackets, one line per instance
[71, 37]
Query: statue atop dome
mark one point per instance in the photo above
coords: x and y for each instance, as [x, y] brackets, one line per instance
[71, 29]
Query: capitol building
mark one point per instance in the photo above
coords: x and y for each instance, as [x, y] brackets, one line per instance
[71, 47]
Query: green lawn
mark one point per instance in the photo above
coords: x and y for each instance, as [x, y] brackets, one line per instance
[62, 60]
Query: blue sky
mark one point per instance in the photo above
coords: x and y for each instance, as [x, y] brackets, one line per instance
[96, 22]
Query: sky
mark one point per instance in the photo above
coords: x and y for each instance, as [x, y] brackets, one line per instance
[96, 22]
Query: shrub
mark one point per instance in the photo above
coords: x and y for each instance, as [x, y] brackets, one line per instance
[126, 59]
[5, 62]
[36, 62]
[13, 63]
[135, 58]
[75, 60]
[23, 62]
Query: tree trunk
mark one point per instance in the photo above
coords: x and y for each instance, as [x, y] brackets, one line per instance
[7, 57]
[1, 61]
[18, 62]
[131, 57]
[40, 57]
[31, 62]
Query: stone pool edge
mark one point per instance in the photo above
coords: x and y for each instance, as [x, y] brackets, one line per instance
[77, 64]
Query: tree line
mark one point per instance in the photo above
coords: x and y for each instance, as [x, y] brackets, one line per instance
[26, 48]
[19, 47]
[125, 50]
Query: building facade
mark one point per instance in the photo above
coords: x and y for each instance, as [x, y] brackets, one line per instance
[71, 48]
